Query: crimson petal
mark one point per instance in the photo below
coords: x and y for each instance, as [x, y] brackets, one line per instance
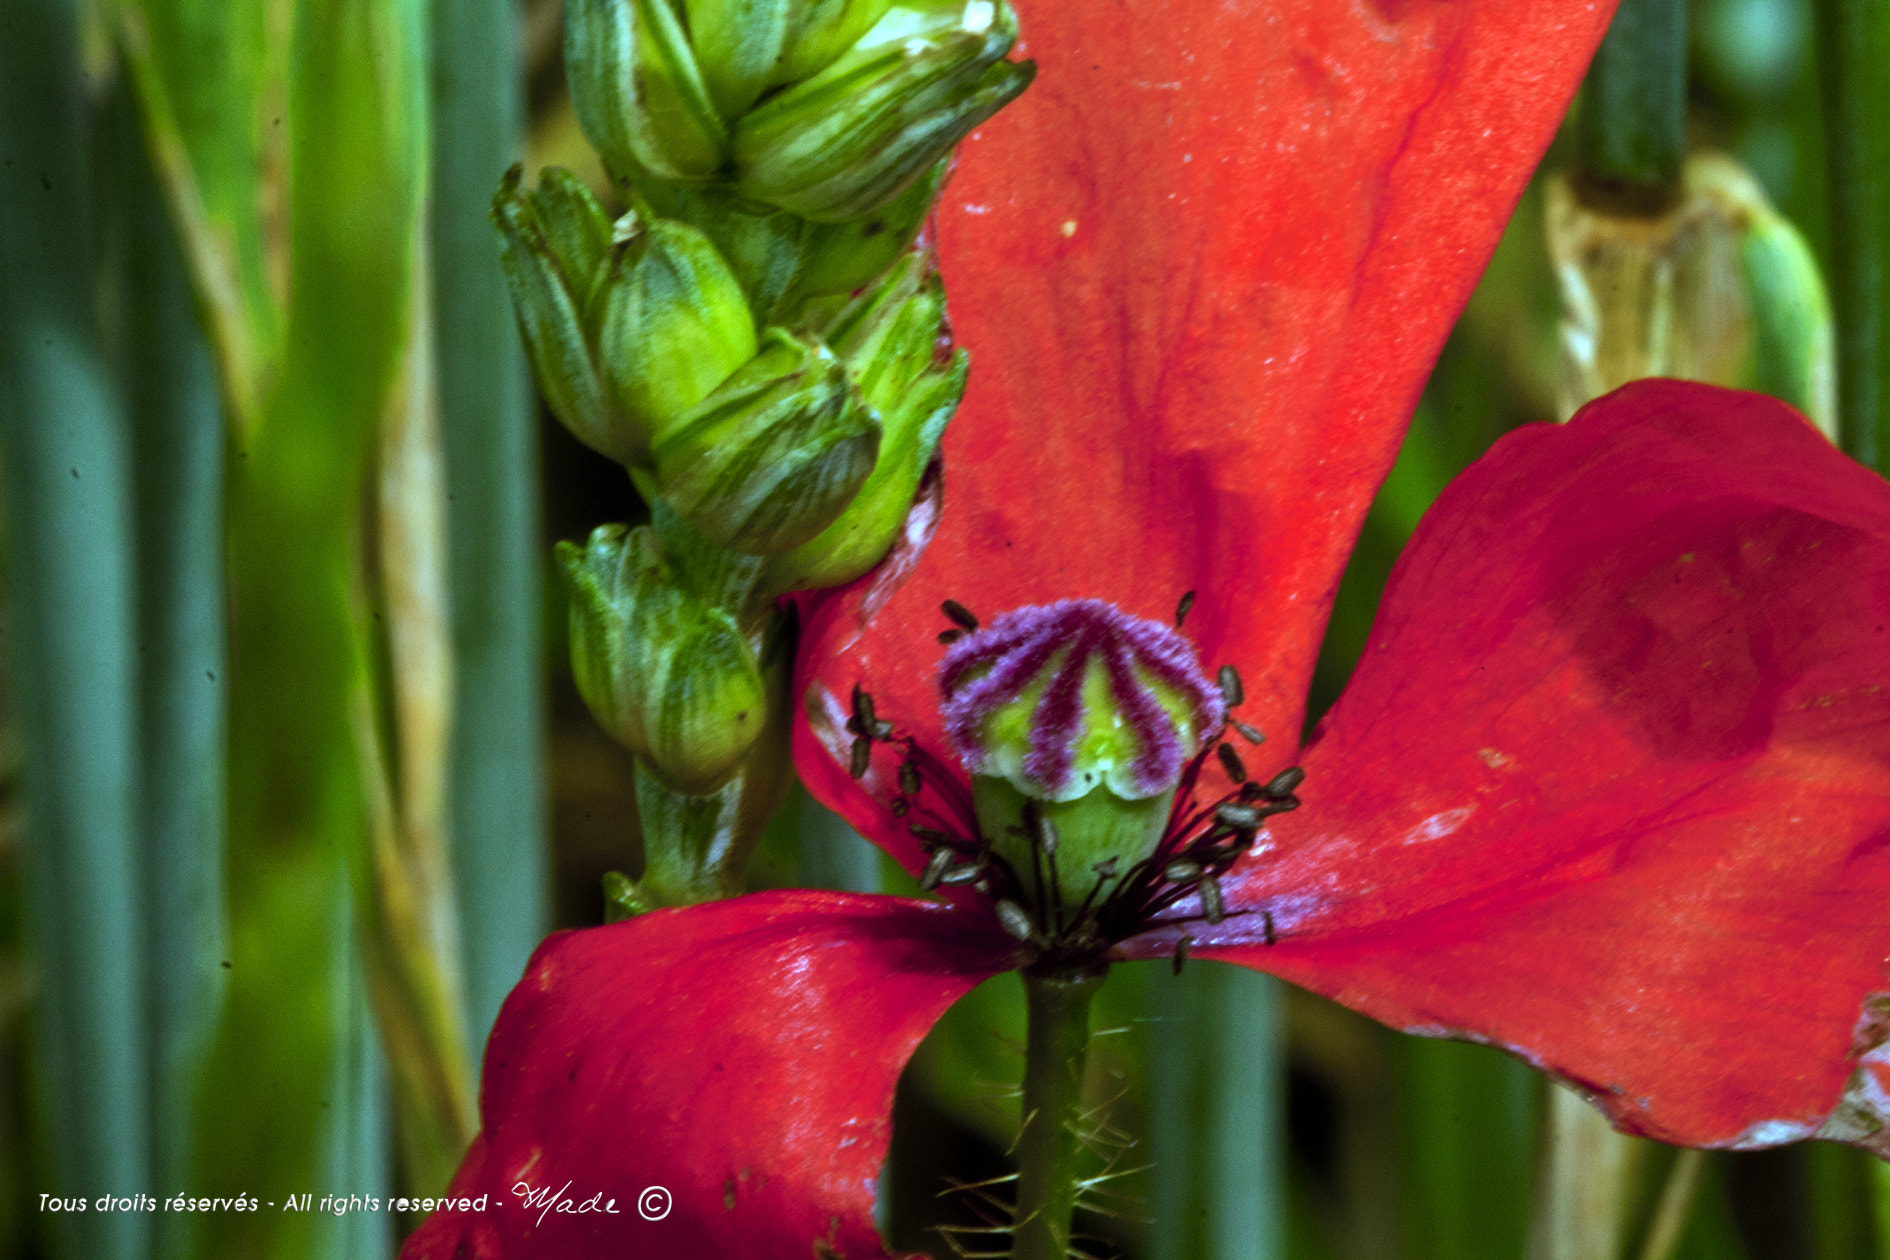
[741, 1055]
[1611, 787]
[1203, 266]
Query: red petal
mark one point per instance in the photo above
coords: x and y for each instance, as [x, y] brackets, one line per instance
[740, 1054]
[1611, 786]
[1203, 266]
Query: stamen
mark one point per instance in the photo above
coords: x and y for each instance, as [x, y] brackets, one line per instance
[909, 778]
[960, 615]
[1239, 817]
[1211, 905]
[1181, 609]
[1282, 784]
[1231, 762]
[1251, 734]
[935, 870]
[862, 757]
[1231, 692]
[949, 636]
[1266, 922]
[1182, 947]
[1014, 919]
[1182, 871]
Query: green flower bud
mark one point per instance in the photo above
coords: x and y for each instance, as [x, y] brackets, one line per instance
[849, 140]
[1090, 714]
[739, 44]
[638, 92]
[823, 30]
[1719, 287]
[673, 323]
[894, 343]
[552, 243]
[671, 677]
[773, 456]
[840, 257]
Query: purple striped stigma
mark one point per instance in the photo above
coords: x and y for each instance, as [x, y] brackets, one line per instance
[1084, 732]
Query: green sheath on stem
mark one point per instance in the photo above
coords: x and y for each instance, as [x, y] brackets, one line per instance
[1632, 129]
[488, 430]
[65, 456]
[1854, 49]
[1058, 1013]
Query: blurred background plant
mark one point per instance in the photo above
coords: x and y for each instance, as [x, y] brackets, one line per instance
[294, 771]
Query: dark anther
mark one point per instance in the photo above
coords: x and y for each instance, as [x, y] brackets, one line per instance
[930, 836]
[899, 807]
[1252, 734]
[1266, 923]
[1231, 692]
[1239, 817]
[1105, 868]
[862, 756]
[908, 778]
[1211, 907]
[1182, 871]
[1014, 919]
[1231, 762]
[1251, 791]
[1042, 832]
[863, 710]
[949, 636]
[1181, 952]
[960, 615]
[1282, 784]
[935, 870]
[1181, 614]
[881, 729]
[962, 874]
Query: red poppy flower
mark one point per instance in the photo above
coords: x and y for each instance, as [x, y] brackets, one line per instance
[1609, 787]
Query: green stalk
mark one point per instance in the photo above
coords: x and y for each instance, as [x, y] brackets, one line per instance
[1854, 52]
[65, 455]
[1216, 1079]
[1057, 1006]
[177, 437]
[497, 784]
[1631, 134]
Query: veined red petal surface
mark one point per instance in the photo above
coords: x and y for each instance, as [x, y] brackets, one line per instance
[1611, 786]
[1203, 267]
[739, 1055]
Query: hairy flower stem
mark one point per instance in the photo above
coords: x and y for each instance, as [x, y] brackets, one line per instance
[1058, 1006]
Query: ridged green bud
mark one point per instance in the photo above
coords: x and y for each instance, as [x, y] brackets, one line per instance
[669, 676]
[738, 44]
[552, 243]
[895, 346]
[639, 94]
[838, 258]
[673, 323]
[773, 456]
[849, 140]
[823, 30]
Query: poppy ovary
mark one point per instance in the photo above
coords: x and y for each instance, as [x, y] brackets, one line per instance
[1075, 722]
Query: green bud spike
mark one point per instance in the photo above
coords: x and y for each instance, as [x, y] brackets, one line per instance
[545, 250]
[638, 92]
[773, 456]
[673, 323]
[669, 676]
[849, 140]
[738, 44]
[889, 338]
[823, 30]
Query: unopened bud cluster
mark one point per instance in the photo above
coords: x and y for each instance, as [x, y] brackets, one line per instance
[759, 337]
